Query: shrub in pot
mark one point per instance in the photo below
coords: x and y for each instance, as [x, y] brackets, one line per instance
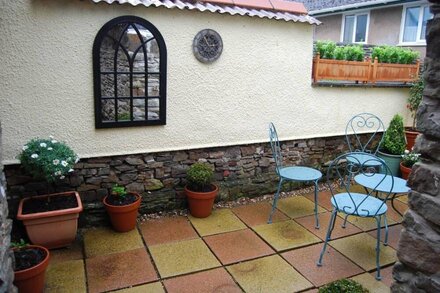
[409, 158]
[122, 207]
[393, 144]
[30, 266]
[199, 190]
[414, 100]
[50, 220]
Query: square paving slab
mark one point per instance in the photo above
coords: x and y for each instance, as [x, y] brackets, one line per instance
[361, 249]
[366, 224]
[386, 274]
[324, 198]
[403, 198]
[335, 265]
[268, 274]
[67, 276]
[102, 241]
[370, 283]
[169, 229]
[297, 206]
[119, 270]
[324, 221]
[393, 235]
[220, 221]
[237, 246]
[285, 235]
[150, 288]
[183, 257]
[216, 280]
[73, 252]
[400, 206]
[258, 214]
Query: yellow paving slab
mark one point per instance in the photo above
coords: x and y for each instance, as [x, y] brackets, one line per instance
[403, 198]
[182, 257]
[220, 221]
[361, 249]
[102, 241]
[268, 274]
[367, 224]
[67, 276]
[285, 235]
[150, 288]
[370, 283]
[298, 206]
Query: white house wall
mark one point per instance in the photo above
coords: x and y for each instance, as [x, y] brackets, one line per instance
[263, 75]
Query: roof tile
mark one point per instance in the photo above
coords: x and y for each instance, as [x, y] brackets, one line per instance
[226, 2]
[292, 7]
[259, 4]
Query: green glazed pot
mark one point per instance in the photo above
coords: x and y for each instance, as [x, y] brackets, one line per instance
[392, 161]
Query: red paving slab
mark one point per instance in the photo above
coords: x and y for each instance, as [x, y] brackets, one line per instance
[167, 230]
[237, 246]
[335, 265]
[258, 214]
[393, 235]
[387, 275]
[324, 221]
[324, 198]
[400, 206]
[216, 280]
[119, 270]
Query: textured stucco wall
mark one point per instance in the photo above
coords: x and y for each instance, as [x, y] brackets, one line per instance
[263, 75]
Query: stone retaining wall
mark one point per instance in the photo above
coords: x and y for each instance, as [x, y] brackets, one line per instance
[246, 170]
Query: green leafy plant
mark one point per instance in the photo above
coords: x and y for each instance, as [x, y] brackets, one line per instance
[343, 286]
[119, 191]
[354, 53]
[394, 142]
[392, 54]
[415, 98]
[199, 177]
[329, 50]
[47, 159]
[19, 244]
[409, 158]
[326, 49]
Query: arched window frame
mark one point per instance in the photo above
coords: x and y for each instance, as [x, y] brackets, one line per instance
[103, 32]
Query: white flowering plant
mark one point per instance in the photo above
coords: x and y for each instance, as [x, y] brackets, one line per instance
[47, 159]
[409, 158]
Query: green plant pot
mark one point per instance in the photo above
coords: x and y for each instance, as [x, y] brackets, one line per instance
[392, 161]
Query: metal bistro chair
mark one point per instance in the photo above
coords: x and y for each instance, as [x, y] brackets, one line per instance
[358, 204]
[293, 173]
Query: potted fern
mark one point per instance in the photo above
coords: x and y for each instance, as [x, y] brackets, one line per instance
[122, 207]
[199, 190]
[393, 145]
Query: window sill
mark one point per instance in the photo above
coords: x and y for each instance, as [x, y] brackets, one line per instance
[346, 84]
[412, 44]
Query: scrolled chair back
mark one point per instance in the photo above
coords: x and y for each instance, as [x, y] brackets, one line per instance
[275, 146]
[364, 124]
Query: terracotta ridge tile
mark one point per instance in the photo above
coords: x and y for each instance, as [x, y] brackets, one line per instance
[272, 5]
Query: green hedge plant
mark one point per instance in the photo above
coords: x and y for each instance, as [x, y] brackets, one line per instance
[329, 50]
[199, 177]
[394, 142]
[392, 54]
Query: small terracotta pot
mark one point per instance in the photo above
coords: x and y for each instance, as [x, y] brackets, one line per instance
[200, 203]
[31, 280]
[410, 138]
[123, 218]
[405, 171]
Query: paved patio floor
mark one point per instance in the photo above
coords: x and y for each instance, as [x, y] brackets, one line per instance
[233, 250]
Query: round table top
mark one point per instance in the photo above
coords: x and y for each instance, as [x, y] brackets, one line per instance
[298, 173]
[371, 181]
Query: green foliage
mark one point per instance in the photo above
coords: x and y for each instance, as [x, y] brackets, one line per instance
[415, 97]
[326, 49]
[199, 177]
[119, 191]
[329, 50]
[47, 159]
[19, 244]
[343, 286]
[391, 54]
[409, 158]
[354, 53]
[394, 142]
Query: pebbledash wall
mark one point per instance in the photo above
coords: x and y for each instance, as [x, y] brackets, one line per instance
[217, 112]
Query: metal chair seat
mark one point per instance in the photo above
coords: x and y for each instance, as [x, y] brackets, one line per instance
[363, 159]
[358, 204]
[299, 173]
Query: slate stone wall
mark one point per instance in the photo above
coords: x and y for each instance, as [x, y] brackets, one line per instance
[418, 268]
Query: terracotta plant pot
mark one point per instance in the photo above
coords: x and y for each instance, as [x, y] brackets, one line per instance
[123, 218]
[410, 138]
[31, 280]
[52, 229]
[200, 203]
[405, 171]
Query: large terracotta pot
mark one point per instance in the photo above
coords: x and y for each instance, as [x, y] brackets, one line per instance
[52, 229]
[405, 171]
[123, 218]
[410, 138]
[200, 203]
[31, 280]
[392, 161]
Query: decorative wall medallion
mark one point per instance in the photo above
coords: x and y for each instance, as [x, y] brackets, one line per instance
[207, 46]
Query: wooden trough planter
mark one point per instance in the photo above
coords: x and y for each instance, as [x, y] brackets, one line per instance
[363, 71]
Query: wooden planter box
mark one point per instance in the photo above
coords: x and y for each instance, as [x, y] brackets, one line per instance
[363, 71]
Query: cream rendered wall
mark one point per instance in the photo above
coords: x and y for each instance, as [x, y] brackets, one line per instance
[263, 75]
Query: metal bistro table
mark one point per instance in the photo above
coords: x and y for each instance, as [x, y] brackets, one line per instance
[372, 182]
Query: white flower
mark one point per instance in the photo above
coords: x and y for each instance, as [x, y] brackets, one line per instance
[49, 148]
[62, 177]
[25, 147]
[34, 156]
[56, 162]
[76, 160]
[43, 145]
[51, 136]
[70, 170]
[57, 173]
[53, 141]
[406, 152]
[64, 163]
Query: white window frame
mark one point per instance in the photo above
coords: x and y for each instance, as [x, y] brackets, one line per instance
[418, 42]
[367, 12]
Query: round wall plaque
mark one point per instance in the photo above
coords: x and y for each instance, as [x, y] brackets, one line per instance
[207, 46]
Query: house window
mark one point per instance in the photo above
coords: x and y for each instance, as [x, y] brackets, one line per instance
[414, 24]
[129, 60]
[355, 28]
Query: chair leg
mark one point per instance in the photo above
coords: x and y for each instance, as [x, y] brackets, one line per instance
[386, 230]
[316, 205]
[378, 220]
[328, 236]
[275, 200]
[345, 221]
